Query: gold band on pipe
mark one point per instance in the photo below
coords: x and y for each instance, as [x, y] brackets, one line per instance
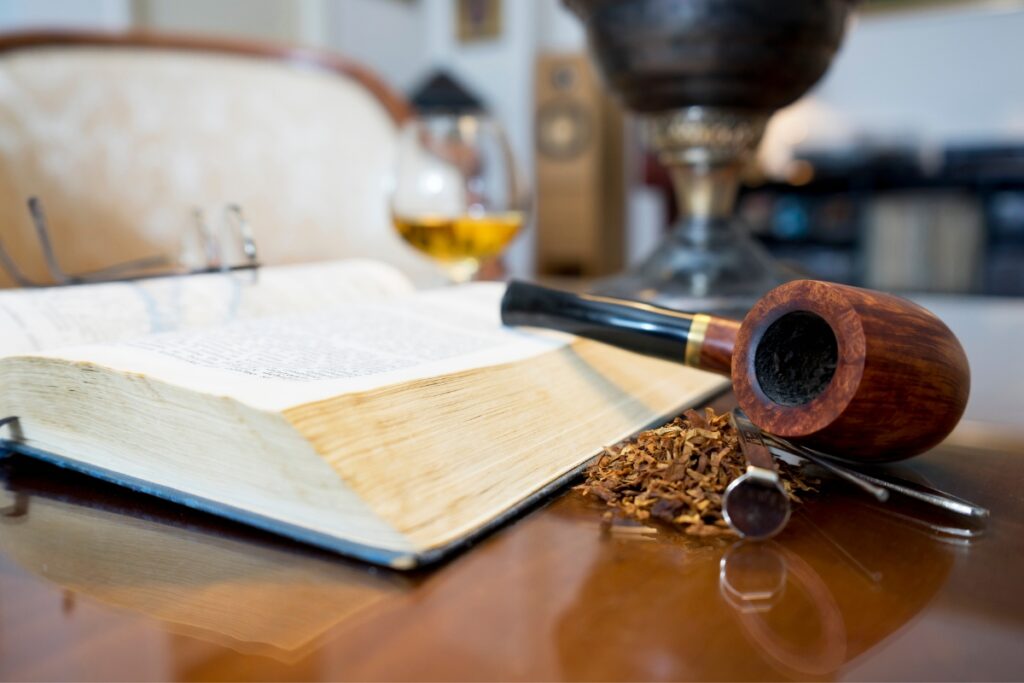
[695, 339]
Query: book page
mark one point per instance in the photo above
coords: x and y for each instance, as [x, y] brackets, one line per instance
[39, 319]
[278, 362]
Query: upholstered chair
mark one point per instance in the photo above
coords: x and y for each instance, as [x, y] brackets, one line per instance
[123, 137]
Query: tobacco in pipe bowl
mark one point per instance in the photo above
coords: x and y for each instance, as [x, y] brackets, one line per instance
[859, 374]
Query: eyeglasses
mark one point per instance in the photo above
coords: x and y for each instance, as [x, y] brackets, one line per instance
[209, 247]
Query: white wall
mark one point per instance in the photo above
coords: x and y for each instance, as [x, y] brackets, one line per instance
[931, 77]
[558, 30]
[953, 74]
[388, 36]
[264, 19]
[290, 21]
[96, 14]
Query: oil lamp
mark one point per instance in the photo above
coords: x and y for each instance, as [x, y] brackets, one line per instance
[706, 75]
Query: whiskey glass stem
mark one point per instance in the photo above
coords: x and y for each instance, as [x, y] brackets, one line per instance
[462, 270]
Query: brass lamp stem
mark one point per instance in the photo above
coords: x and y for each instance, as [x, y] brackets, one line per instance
[704, 149]
[706, 190]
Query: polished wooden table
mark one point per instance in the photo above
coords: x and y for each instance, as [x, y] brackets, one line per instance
[98, 583]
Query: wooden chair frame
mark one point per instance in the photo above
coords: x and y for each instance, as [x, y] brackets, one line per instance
[301, 57]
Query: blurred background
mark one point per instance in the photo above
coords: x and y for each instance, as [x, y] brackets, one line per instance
[903, 169]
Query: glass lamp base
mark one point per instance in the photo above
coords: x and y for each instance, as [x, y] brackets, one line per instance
[705, 266]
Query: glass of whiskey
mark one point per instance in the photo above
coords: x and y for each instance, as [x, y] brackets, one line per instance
[458, 196]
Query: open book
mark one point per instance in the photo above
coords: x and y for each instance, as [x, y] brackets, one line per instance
[330, 403]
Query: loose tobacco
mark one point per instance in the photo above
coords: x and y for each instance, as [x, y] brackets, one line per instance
[678, 473]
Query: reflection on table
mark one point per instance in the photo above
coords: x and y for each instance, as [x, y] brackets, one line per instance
[99, 583]
[201, 577]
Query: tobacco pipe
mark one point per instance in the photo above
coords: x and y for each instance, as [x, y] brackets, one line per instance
[858, 374]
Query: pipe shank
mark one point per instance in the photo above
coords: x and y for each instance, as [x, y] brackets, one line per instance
[643, 328]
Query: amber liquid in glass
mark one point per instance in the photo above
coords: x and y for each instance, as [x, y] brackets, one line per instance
[460, 243]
